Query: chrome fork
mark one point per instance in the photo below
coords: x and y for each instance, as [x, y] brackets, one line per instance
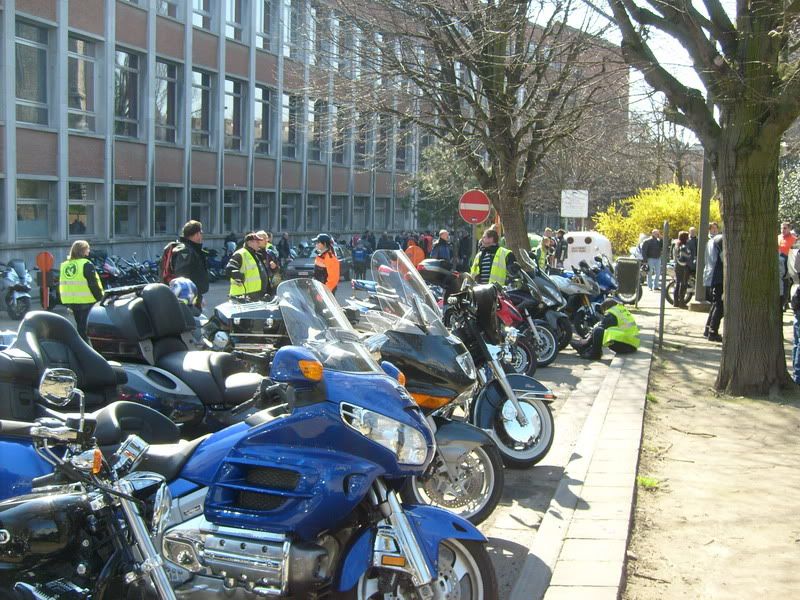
[500, 375]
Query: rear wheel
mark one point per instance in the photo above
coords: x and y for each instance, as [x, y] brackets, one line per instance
[564, 333]
[472, 492]
[465, 571]
[18, 309]
[547, 349]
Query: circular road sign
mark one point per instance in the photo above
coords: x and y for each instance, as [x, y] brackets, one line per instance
[45, 261]
[474, 207]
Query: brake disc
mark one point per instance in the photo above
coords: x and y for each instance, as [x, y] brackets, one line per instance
[447, 493]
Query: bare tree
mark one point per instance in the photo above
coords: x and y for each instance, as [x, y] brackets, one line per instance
[748, 64]
[500, 81]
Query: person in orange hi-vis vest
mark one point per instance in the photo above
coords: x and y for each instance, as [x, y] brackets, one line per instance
[414, 252]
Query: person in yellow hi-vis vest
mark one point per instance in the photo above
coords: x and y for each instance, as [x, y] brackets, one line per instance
[249, 279]
[490, 264]
[617, 330]
[79, 284]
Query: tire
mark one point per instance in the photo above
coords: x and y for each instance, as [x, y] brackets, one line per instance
[455, 556]
[671, 293]
[519, 455]
[583, 322]
[548, 349]
[631, 298]
[564, 332]
[524, 359]
[18, 310]
[435, 488]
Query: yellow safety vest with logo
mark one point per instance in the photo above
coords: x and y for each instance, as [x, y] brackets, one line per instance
[73, 286]
[626, 330]
[252, 279]
[498, 274]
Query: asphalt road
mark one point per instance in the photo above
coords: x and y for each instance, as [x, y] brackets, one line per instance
[527, 493]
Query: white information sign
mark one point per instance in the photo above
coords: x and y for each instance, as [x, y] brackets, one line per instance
[575, 204]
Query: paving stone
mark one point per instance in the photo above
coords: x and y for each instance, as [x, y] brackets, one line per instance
[627, 465]
[614, 444]
[587, 573]
[603, 511]
[575, 592]
[610, 479]
[607, 493]
[599, 529]
[582, 549]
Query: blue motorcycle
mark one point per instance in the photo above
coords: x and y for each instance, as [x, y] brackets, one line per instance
[300, 499]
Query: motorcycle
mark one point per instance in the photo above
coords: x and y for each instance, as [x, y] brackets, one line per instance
[513, 409]
[301, 499]
[579, 289]
[80, 533]
[405, 329]
[670, 294]
[15, 288]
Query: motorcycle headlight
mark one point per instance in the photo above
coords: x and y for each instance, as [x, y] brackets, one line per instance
[467, 365]
[511, 335]
[404, 441]
[221, 340]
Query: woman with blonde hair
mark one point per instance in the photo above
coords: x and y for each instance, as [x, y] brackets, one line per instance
[79, 284]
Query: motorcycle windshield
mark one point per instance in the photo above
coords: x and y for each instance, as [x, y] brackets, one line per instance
[403, 295]
[314, 320]
[19, 268]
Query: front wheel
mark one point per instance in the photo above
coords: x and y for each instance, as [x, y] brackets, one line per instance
[465, 571]
[17, 310]
[471, 489]
[548, 346]
[523, 447]
[564, 332]
[523, 355]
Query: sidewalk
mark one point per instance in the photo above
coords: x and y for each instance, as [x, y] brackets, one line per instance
[579, 549]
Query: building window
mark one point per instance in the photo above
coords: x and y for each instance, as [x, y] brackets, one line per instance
[314, 205]
[200, 207]
[32, 73]
[233, 114]
[165, 210]
[81, 84]
[168, 8]
[201, 14]
[316, 128]
[166, 92]
[341, 135]
[129, 201]
[360, 212]
[232, 203]
[362, 135]
[266, 20]
[290, 119]
[403, 140]
[345, 42]
[126, 94]
[289, 211]
[263, 119]
[35, 208]
[337, 217]
[292, 29]
[201, 109]
[81, 215]
[401, 212]
[233, 19]
[382, 148]
[381, 213]
[262, 208]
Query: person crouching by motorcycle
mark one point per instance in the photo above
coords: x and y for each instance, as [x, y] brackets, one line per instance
[490, 264]
[617, 330]
[248, 273]
[326, 265]
[79, 284]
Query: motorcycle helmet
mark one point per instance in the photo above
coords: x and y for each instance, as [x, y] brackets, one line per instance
[323, 238]
[184, 289]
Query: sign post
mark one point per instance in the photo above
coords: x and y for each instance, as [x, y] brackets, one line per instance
[45, 262]
[575, 204]
[474, 208]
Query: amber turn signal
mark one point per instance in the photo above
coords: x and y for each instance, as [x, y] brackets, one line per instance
[393, 561]
[430, 402]
[311, 369]
[97, 462]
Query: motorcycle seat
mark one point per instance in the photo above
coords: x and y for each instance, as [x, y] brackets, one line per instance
[216, 377]
[168, 459]
[52, 341]
[118, 420]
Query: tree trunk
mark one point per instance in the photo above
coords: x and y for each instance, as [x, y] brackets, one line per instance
[753, 360]
[512, 216]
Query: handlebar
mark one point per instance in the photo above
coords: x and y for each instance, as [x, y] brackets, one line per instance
[16, 428]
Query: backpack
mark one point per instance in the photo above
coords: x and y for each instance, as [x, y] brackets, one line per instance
[165, 264]
[360, 255]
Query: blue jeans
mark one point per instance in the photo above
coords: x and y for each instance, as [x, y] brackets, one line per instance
[796, 351]
[653, 273]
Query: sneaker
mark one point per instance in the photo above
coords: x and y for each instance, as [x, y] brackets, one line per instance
[714, 337]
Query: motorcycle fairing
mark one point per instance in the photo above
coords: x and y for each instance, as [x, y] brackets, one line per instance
[431, 525]
[19, 466]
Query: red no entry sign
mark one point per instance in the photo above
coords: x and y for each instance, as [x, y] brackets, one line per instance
[474, 207]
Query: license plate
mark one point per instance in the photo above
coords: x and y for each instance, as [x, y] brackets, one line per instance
[304, 273]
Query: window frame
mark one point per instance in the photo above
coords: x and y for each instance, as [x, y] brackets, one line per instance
[291, 143]
[266, 38]
[171, 204]
[49, 203]
[233, 199]
[130, 123]
[358, 225]
[317, 110]
[341, 131]
[264, 208]
[263, 144]
[202, 15]
[335, 200]
[205, 202]
[234, 30]
[165, 131]
[137, 205]
[362, 134]
[208, 89]
[296, 198]
[318, 206]
[37, 105]
[385, 203]
[234, 141]
[171, 7]
[89, 115]
[89, 204]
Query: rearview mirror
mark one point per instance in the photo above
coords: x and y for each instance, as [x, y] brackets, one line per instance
[56, 386]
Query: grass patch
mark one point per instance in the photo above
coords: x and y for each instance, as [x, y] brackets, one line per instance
[648, 483]
[651, 398]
